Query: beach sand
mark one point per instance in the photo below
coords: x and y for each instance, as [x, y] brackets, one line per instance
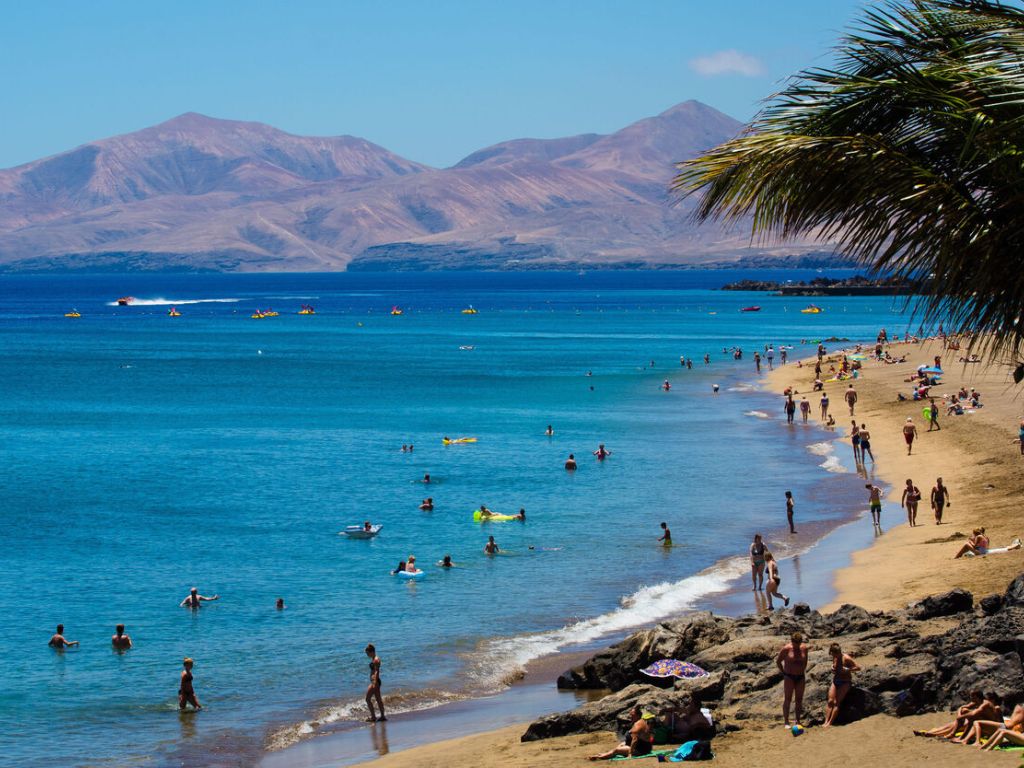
[984, 471]
[973, 454]
[878, 740]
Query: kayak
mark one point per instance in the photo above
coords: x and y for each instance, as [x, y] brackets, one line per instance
[459, 440]
[359, 532]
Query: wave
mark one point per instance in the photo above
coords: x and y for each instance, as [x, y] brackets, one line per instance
[161, 302]
[832, 464]
[756, 414]
[496, 663]
[742, 388]
[821, 449]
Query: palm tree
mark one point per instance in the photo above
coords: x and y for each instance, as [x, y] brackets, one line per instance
[908, 154]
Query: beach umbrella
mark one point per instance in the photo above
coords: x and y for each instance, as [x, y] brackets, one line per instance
[673, 668]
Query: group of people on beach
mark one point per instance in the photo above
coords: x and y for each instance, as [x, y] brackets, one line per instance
[980, 722]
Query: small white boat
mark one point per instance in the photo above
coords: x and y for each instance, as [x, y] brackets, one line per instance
[361, 532]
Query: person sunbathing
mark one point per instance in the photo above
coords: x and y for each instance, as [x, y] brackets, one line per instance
[638, 742]
[977, 544]
[976, 708]
[997, 731]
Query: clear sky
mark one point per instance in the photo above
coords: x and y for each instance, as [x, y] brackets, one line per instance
[432, 80]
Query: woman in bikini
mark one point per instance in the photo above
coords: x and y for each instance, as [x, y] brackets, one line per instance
[757, 550]
[911, 497]
[373, 690]
[186, 693]
[774, 579]
[1002, 730]
[638, 742]
[843, 667]
[792, 663]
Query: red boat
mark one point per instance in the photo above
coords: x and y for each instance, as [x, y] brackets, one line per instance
[751, 309]
[124, 301]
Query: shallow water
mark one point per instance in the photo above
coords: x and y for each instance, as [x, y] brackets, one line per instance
[145, 454]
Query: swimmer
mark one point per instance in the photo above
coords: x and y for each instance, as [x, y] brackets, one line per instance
[399, 569]
[491, 548]
[410, 447]
[410, 565]
[60, 642]
[485, 512]
[405, 448]
[602, 453]
[426, 477]
[186, 693]
[666, 386]
[279, 604]
[549, 431]
[521, 515]
[120, 640]
[447, 562]
[428, 504]
[714, 388]
[194, 599]
[666, 537]
[570, 463]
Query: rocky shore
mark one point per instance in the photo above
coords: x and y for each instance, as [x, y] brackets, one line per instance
[916, 660]
[826, 286]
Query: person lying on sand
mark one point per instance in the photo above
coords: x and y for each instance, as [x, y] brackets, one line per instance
[638, 742]
[976, 708]
[982, 729]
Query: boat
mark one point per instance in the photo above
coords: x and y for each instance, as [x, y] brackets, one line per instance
[270, 313]
[257, 315]
[360, 531]
[811, 309]
[396, 310]
[754, 308]
[73, 313]
[124, 301]
[173, 312]
[470, 311]
[307, 309]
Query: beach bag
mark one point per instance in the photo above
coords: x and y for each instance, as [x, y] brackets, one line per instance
[692, 751]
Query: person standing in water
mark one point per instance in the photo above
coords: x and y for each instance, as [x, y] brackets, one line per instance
[570, 463]
[549, 431]
[911, 497]
[757, 552]
[186, 691]
[120, 641]
[373, 689]
[491, 547]
[789, 510]
[865, 444]
[875, 502]
[757, 361]
[940, 500]
[774, 580]
[194, 599]
[805, 409]
[792, 663]
[855, 439]
[824, 405]
[666, 536]
[909, 433]
[790, 408]
[58, 641]
[602, 453]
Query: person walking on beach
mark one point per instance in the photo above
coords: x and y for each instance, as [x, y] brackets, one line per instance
[186, 691]
[774, 579]
[940, 500]
[851, 398]
[194, 599]
[770, 357]
[790, 409]
[933, 415]
[789, 511]
[865, 444]
[843, 667]
[120, 641]
[792, 663]
[909, 433]
[666, 536]
[824, 405]
[570, 463]
[783, 355]
[805, 409]
[911, 497]
[875, 502]
[855, 439]
[757, 552]
[58, 641]
[373, 689]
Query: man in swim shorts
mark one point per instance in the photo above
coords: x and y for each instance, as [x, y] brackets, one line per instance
[851, 398]
[909, 433]
[491, 547]
[875, 502]
[940, 500]
[570, 463]
[194, 599]
[58, 640]
[792, 663]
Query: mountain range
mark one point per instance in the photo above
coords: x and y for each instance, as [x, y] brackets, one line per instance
[199, 193]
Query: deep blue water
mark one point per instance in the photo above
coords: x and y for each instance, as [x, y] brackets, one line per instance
[145, 454]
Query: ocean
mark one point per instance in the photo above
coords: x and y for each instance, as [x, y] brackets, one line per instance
[145, 454]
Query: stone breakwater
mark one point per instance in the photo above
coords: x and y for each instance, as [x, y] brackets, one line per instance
[920, 659]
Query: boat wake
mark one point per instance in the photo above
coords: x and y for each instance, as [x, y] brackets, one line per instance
[161, 302]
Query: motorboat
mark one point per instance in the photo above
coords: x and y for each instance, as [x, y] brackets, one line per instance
[812, 309]
[73, 313]
[754, 308]
[173, 312]
[307, 309]
[124, 301]
[257, 315]
[361, 531]
[470, 310]
[396, 310]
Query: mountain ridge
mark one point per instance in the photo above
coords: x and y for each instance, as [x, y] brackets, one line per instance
[198, 192]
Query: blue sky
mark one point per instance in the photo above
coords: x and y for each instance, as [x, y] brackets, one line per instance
[431, 80]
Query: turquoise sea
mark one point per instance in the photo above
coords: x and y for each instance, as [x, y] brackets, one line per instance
[144, 454]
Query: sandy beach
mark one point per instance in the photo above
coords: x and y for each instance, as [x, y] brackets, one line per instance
[973, 453]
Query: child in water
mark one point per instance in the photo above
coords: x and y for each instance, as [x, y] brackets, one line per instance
[666, 537]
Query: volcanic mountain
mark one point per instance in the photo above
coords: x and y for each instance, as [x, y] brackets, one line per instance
[201, 193]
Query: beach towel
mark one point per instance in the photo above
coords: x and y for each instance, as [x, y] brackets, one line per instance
[692, 751]
[655, 753]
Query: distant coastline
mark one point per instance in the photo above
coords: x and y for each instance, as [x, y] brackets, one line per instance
[858, 285]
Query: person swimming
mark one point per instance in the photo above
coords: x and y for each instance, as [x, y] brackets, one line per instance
[447, 562]
[666, 386]
[120, 640]
[279, 604]
[399, 569]
[426, 477]
[602, 453]
[428, 504]
[491, 547]
[522, 514]
[194, 599]
[549, 431]
[570, 463]
[58, 641]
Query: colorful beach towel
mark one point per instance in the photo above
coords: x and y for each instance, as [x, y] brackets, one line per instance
[673, 668]
[655, 753]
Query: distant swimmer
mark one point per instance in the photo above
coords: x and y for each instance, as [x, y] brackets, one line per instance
[485, 512]
[399, 569]
[428, 504]
[602, 453]
[411, 446]
[405, 448]
[58, 640]
[570, 463]
[689, 363]
[666, 536]
[789, 510]
[186, 690]
[521, 515]
[194, 599]
[447, 562]
[714, 388]
[410, 565]
[666, 386]
[373, 690]
[491, 547]
[279, 604]
[549, 431]
[426, 477]
[120, 640]
[707, 359]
